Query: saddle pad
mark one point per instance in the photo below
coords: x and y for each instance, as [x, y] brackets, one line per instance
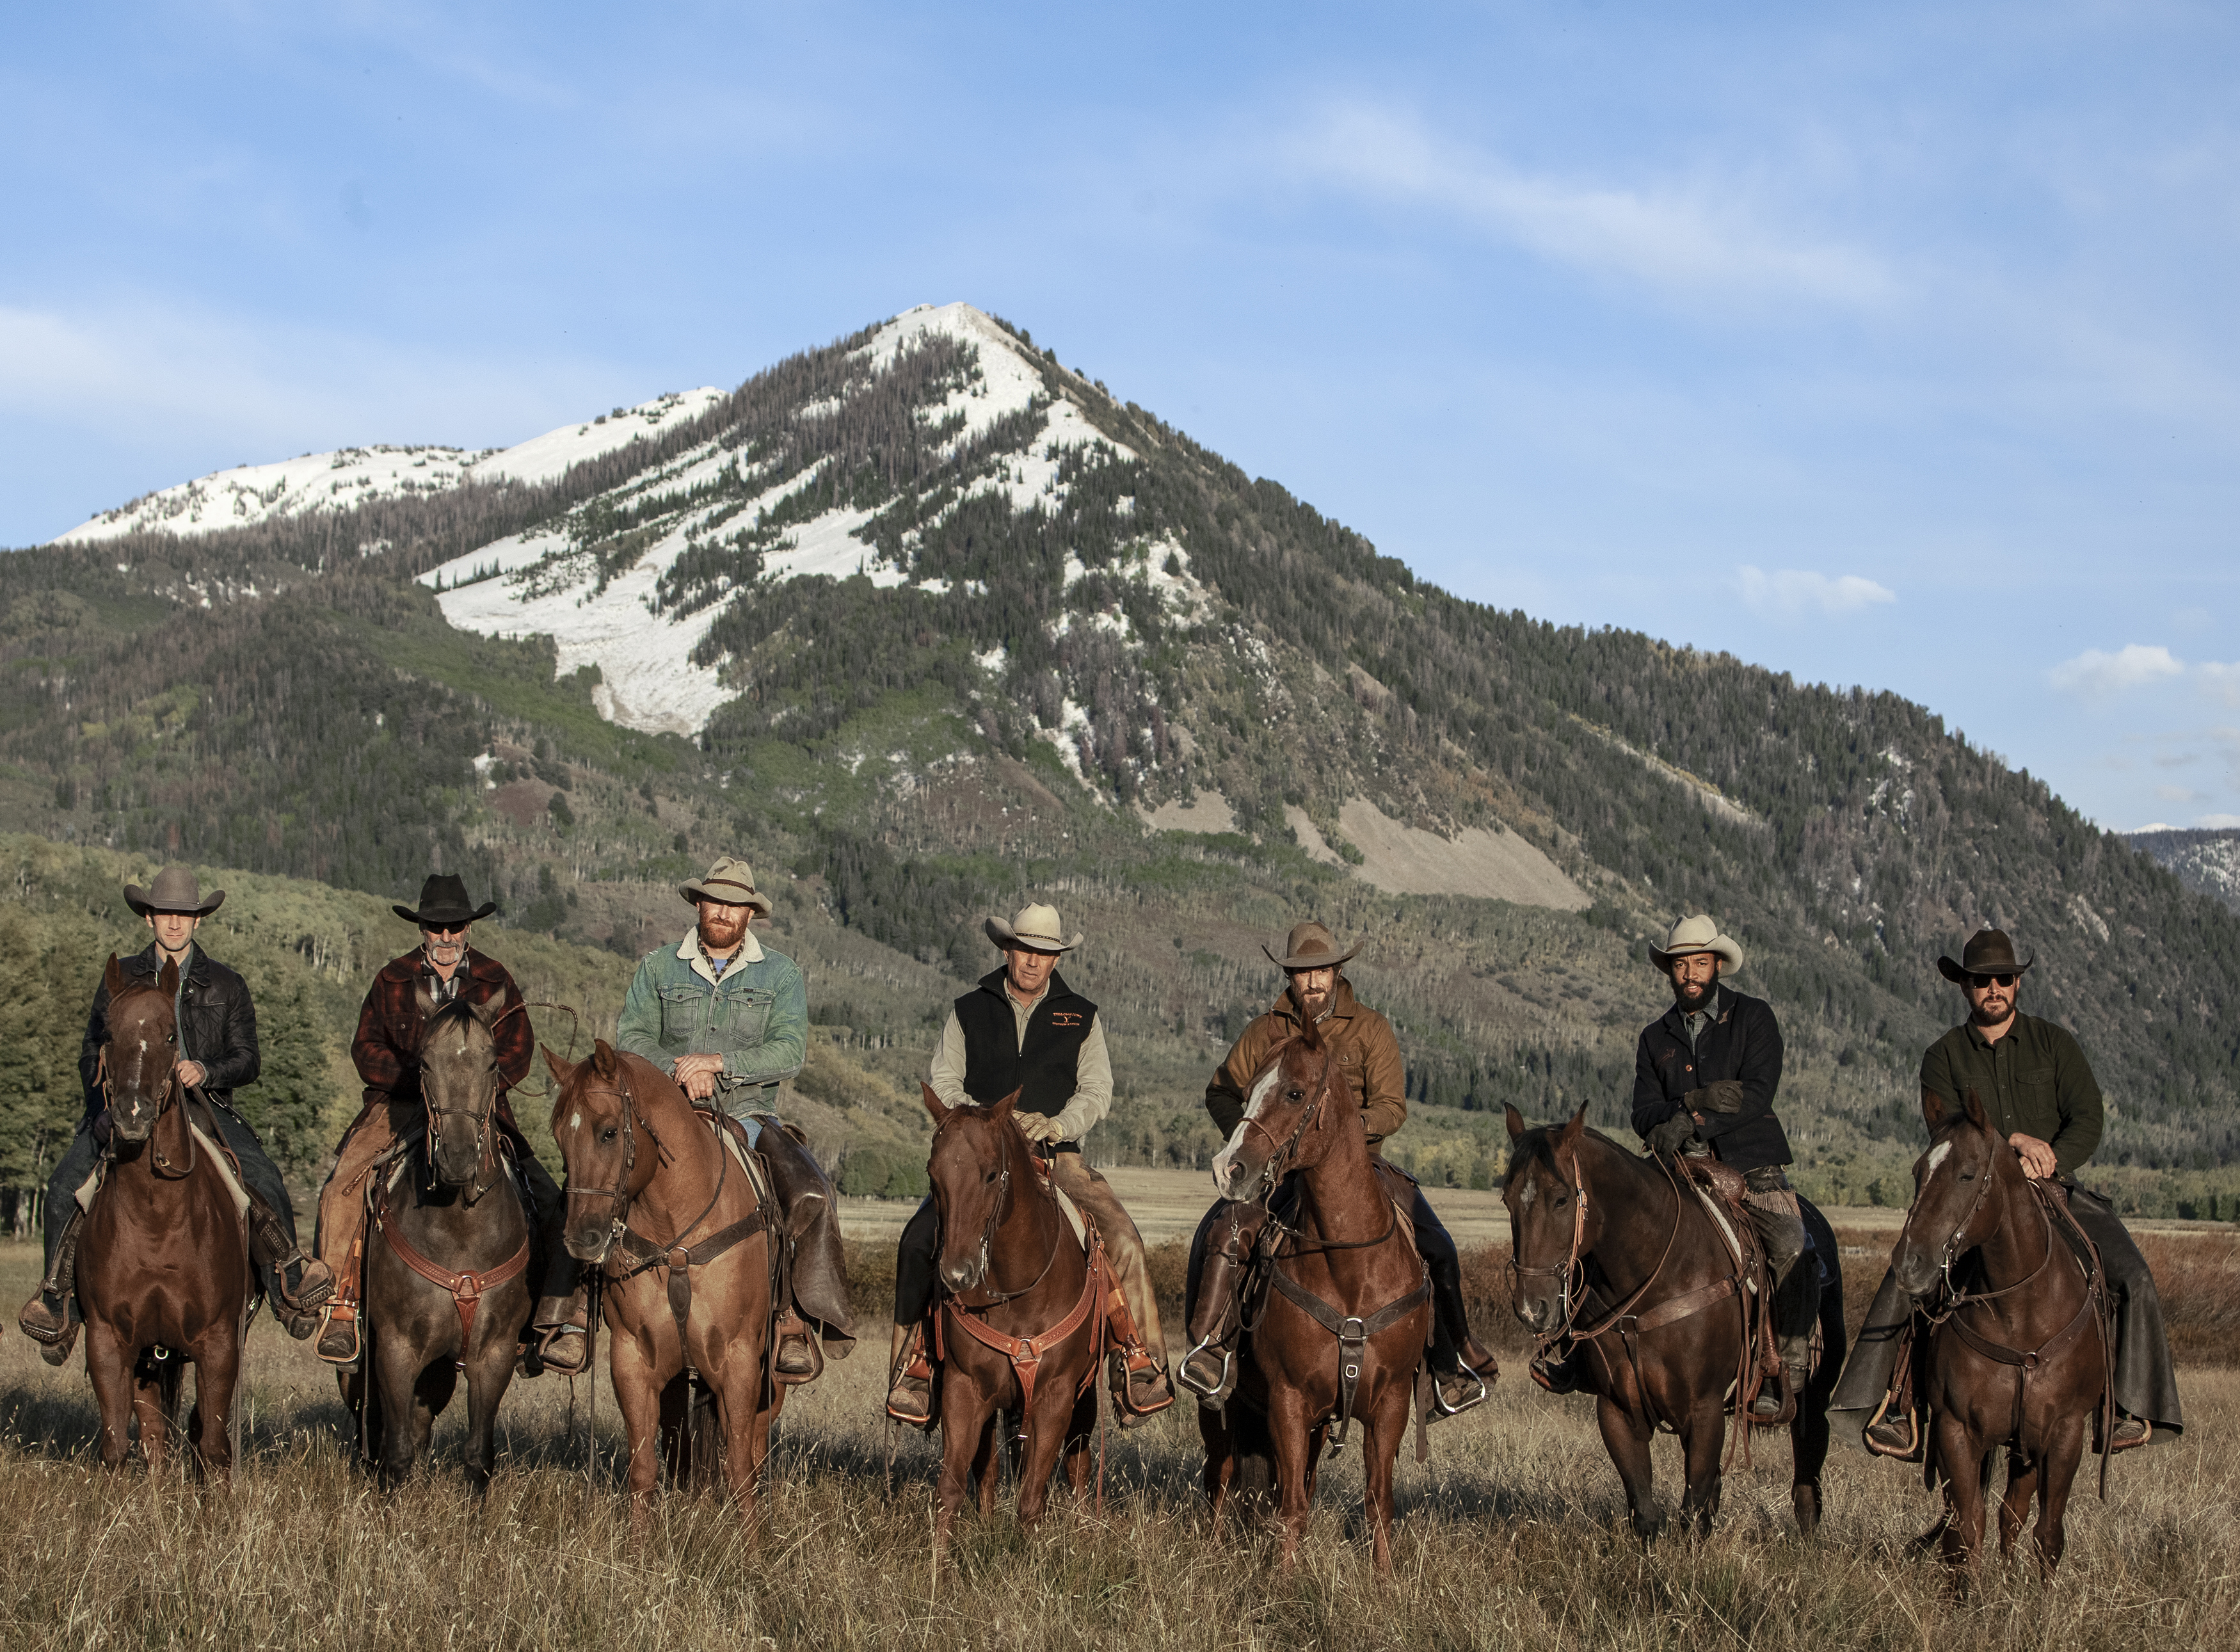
[1072, 1214]
[91, 1185]
[1718, 1214]
[748, 1162]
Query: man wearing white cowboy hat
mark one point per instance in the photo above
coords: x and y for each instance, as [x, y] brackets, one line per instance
[1705, 1074]
[1315, 988]
[217, 1055]
[728, 1017]
[1023, 1029]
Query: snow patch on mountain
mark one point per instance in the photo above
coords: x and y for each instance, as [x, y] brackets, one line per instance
[352, 477]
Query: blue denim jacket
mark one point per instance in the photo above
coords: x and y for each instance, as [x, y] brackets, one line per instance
[757, 1018]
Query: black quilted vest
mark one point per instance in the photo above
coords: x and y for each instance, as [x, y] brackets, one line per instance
[1042, 1069]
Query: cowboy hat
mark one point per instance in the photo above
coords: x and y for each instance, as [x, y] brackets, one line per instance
[1987, 953]
[1309, 946]
[729, 882]
[172, 889]
[1034, 928]
[1699, 933]
[443, 904]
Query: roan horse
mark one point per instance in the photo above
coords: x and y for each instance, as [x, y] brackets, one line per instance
[1342, 1332]
[1613, 1255]
[2021, 1361]
[1020, 1320]
[688, 1259]
[163, 1272]
[447, 1286]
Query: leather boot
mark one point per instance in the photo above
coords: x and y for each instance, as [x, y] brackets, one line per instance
[910, 1398]
[799, 1359]
[818, 1273]
[338, 1337]
[48, 1319]
[560, 1329]
[1209, 1370]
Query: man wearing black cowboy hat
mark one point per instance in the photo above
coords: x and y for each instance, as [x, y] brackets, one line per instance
[728, 1018]
[216, 1056]
[1023, 1029]
[1367, 1056]
[2037, 1090]
[388, 1036]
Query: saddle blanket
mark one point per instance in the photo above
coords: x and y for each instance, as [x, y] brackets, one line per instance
[91, 1185]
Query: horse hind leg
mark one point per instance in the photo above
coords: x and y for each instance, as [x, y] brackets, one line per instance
[156, 1404]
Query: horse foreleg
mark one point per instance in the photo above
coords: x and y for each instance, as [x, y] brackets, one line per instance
[1963, 1464]
[1382, 1433]
[745, 1429]
[487, 1381]
[110, 1365]
[638, 1396]
[1078, 1428]
[2057, 1465]
[1046, 1432]
[217, 1374]
[2014, 1507]
[1294, 1454]
[968, 1416]
[1701, 1442]
[1220, 1464]
[992, 1449]
[1626, 1438]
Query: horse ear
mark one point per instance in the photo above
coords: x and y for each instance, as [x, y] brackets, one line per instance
[1572, 1127]
[1932, 1111]
[1311, 1035]
[934, 1104]
[486, 1012]
[1975, 1107]
[168, 981]
[562, 1072]
[1002, 1109]
[1516, 1123]
[424, 995]
[113, 977]
[602, 1059]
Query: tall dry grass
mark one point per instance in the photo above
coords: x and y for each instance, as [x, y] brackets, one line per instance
[1512, 1536]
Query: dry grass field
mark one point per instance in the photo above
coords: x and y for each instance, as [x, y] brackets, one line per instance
[1512, 1536]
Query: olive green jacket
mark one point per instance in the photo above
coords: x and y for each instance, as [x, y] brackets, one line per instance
[2034, 1080]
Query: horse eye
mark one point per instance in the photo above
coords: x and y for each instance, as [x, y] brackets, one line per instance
[1294, 1096]
[607, 1135]
[989, 1176]
[1967, 1175]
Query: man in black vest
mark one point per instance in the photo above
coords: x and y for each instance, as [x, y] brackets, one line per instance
[1023, 1029]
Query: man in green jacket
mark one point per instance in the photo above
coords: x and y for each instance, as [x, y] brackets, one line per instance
[2038, 1091]
[729, 1018]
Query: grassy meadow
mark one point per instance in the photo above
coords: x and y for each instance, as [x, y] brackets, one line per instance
[1512, 1534]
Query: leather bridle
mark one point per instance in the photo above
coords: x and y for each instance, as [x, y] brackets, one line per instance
[618, 1197]
[1571, 1294]
[997, 1209]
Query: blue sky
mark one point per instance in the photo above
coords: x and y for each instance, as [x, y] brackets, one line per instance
[1891, 344]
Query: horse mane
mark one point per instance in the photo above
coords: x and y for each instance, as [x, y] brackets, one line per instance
[453, 1008]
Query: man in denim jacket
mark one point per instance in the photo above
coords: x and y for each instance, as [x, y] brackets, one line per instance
[729, 1019]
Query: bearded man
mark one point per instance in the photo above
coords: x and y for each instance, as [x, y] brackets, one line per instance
[386, 1052]
[728, 1018]
[217, 1055]
[1366, 1055]
[1023, 1029]
[2038, 1091]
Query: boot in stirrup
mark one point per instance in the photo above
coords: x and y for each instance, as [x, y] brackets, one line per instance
[561, 1330]
[49, 1318]
[910, 1399]
[339, 1337]
[1138, 1385]
[799, 1359]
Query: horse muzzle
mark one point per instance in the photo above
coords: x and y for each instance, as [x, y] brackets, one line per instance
[589, 1243]
[1917, 1271]
[132, 1120]
[1237, 1176]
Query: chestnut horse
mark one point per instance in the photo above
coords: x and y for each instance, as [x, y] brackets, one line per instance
[685, 1249]
[447, 1287]
[2020, 1361]
[1341, 1330]
[1020, 1320]
[163, 1272]
[1615, 1260]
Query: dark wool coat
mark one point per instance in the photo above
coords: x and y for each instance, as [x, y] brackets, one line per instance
[217, 1026]
[388, 1028]
[1743, 1042]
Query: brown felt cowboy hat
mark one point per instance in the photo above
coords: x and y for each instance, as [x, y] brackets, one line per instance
[1699, 933]
[1309, 946]
[443, 904]
[730, 881]
[1034, 928]
[1988, 952]
[172, 889]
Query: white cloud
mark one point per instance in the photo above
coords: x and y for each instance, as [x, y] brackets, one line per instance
[1790, 593]
[2219, 682]
[2180, 795]
[2218, 823]
[1699, 238]
[2094, 673]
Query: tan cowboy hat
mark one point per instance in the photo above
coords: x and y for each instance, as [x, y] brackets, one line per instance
[1035, 928]
[1699, 933]
[1309, 946]
[172, 889]
[1988, 952]
[730, 881]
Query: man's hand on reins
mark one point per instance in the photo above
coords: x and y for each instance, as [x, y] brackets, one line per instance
[697, 1073]
[191, 1074]
[2038, 1163]
[1725, 1097]
[1673, 1135]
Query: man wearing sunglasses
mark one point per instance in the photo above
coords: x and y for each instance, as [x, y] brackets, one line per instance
[385, 1051]
[2037, 1090]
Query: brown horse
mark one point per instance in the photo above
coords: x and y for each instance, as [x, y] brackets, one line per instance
[163, 1271]
[1021, 1321]
[686, 1247]
[2020, 1361]
[1613, 1259]
[1343, 1328]
[447, 1287]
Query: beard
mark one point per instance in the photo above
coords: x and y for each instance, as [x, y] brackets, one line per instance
[1692, 996]
[1311, 1005]
[1984, 1014]
[722, 934]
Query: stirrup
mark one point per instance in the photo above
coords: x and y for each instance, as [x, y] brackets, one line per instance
[1441, 1406]
[1138, 1403]
[1217, 1396]
[1890, 1433]
[339, 1343]
[793, 1335]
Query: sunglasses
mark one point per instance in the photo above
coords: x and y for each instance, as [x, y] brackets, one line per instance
[1981, 981]
[433, 931]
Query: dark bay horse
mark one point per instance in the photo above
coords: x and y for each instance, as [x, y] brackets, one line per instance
[687, 1253]
[1348, 1311]
[1020, 1320]
[163, 1272]
[447, 1266]
[1613, 1255]
[2019, 1360]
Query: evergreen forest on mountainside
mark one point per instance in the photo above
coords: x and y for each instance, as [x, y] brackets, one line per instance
[285, 707]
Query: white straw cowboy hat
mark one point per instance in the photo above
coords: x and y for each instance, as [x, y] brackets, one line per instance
[1035, 929]
[1309, 946]
[1699, 933]
[729, 882]
[172, 889]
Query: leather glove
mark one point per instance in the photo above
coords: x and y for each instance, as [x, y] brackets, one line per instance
[1725, 1097]
[1041, 1127]
[1673, 1135]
